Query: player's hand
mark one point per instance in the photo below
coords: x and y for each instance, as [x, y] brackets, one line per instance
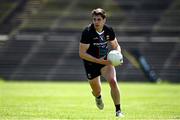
[104, 62]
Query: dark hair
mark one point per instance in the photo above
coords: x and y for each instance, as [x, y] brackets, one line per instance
[99, 11]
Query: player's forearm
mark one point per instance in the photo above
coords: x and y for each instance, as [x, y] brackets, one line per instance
[115, 45]
[117, 48]
[88, 57]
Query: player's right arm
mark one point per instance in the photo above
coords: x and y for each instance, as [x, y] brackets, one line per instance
[84, 55]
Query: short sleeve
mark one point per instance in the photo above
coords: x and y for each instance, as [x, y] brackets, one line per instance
[84, 37]
[111, 34]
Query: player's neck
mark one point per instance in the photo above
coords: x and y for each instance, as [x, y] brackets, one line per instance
[99, 30]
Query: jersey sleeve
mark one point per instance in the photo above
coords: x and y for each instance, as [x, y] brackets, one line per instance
[112, 34]
[85, 37]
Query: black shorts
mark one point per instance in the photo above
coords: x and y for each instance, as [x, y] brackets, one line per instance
[92, 69]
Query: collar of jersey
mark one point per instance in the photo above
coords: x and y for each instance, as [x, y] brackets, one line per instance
[100, 33]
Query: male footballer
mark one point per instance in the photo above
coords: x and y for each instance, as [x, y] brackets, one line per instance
[93, 49]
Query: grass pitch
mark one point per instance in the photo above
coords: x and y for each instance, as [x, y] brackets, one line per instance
[73, 100]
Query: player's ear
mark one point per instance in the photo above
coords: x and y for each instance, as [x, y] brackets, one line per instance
[104, 20]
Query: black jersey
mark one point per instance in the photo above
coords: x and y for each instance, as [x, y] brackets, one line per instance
[98, 43]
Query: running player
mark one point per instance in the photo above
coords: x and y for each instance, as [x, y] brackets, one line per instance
[93, 49]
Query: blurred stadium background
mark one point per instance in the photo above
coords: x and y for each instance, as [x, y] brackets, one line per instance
[39, 38]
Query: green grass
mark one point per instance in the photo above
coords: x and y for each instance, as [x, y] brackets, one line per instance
[73, 100]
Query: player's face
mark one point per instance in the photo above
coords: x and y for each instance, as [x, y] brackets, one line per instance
[98, 22]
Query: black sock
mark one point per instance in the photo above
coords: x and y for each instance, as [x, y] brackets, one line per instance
[118, 107]
[99, 97]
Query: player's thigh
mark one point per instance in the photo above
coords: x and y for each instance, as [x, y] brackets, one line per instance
[109, 72]
[95, 84]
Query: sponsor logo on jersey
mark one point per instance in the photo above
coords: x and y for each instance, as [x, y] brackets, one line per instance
[96, 38]
[100, 44]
